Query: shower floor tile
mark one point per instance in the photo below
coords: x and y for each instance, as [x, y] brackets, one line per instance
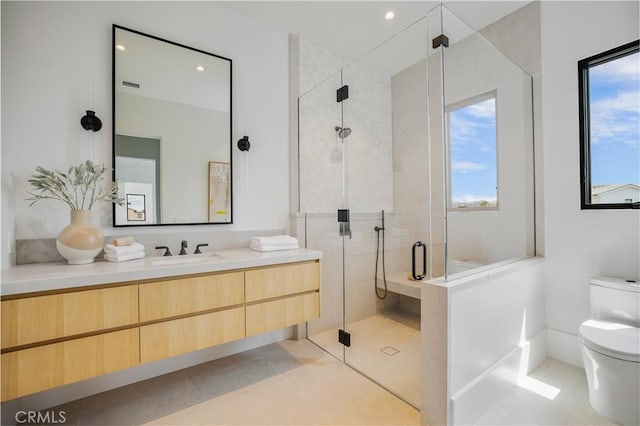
[374, 341]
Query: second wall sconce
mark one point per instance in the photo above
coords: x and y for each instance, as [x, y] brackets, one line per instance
[91, 122]
[243, 144]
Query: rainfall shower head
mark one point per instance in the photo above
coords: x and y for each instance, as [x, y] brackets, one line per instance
[343, 132]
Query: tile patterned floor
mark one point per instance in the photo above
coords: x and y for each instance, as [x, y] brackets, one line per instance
[287, 383]
[569, 406]
[296, 383]
[400, 330]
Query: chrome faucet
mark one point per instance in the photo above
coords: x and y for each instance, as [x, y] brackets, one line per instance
[183, 247]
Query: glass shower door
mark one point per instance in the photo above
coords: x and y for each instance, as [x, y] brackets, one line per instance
[321, 182]
[385, 170]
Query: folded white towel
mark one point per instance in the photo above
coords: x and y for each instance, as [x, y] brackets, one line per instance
[121, 250]
[275, 240]
[260, 247]
[123, 257]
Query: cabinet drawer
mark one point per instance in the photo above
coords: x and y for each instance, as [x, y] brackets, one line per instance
[36, 369]
[35, 319]
[282, 280]
[170, 338]
[267, 316]
[170, 298]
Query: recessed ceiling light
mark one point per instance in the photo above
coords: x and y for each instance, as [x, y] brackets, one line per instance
[120, 47]
[389, 15]
[200, 68]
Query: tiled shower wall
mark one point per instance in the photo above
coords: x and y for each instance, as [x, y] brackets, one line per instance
[384, 161]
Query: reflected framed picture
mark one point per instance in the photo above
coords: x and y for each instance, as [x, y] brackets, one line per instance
[136, 208]
[219, 192]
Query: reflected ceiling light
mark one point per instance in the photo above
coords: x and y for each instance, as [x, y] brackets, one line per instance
[389, 15]
[121, 47]
[200, 68]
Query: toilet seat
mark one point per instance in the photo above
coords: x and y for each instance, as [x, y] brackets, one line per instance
[620, 341]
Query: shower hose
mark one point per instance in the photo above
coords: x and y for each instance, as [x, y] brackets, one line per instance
[379, 229]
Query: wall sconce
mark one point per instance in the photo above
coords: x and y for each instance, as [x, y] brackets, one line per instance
[91, 122]
[243, 144]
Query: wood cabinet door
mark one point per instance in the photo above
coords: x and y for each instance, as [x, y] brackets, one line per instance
[175, 337]
[282, 280]
[35, 319]
[170, 298]
[279, 313]
[44, 367]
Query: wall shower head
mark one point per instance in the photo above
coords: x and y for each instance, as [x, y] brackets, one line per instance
[343, 132]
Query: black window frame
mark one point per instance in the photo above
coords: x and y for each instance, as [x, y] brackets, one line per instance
[584, 121]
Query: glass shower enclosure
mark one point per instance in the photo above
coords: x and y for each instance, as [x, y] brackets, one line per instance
[415, 162]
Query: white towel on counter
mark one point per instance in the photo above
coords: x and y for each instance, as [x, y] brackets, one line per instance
[258, 247]
[275, 240]
[273, 243]
[123, 257]
[111, 250]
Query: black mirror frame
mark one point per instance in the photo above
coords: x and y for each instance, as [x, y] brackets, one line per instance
[113, 125]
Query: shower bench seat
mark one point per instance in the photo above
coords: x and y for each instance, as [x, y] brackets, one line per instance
[399, 282]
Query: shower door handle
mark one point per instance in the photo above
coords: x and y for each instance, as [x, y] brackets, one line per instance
[424, 261]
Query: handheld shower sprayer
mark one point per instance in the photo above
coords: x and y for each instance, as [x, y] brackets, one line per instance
[380, 229]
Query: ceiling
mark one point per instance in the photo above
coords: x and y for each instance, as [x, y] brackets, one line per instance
[352, 28]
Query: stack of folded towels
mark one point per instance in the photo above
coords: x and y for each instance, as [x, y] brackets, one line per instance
[273, 243]
[122, 249]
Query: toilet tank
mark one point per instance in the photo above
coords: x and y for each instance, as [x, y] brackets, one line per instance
[615, 299]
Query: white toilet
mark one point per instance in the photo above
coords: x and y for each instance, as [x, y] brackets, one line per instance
[611, 349]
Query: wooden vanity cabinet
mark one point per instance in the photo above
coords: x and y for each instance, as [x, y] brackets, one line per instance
[53, 339]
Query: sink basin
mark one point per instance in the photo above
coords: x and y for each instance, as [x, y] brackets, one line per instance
[186, 260]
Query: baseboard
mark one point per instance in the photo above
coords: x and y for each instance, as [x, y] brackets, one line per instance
[469, 404]
[71, 392]
[564, 346]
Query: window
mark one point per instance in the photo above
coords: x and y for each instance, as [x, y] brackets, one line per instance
[473, 172]
[609, 97]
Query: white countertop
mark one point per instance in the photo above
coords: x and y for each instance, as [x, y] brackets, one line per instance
[56, 276]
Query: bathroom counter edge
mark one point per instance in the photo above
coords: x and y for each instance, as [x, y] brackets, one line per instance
[57, 276]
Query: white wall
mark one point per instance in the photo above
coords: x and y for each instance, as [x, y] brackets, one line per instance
[56, 63]
[481, 333]
[496, 332]
[579, 243]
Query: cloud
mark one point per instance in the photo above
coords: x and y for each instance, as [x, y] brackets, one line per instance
[485, 109]
[615, 119]
[620, 69]
[467, 166]
[472, 123]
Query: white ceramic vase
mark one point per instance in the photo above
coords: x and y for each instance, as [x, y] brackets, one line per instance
[80, 241]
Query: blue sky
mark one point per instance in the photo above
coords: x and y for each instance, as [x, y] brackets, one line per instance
[614, 100]
[472, 135]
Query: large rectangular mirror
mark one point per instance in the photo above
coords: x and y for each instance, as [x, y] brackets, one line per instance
[171, 132]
